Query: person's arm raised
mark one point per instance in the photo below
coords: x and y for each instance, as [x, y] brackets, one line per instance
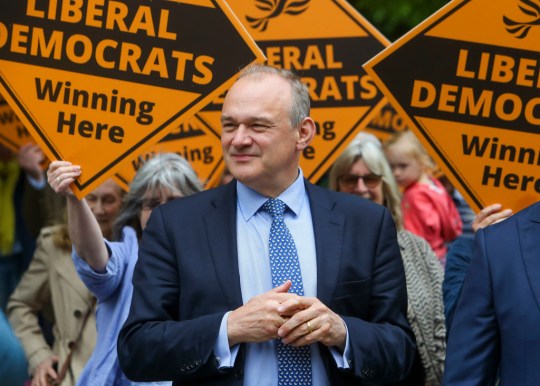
[84, 229]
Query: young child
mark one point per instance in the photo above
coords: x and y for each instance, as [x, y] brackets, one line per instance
[428, 210]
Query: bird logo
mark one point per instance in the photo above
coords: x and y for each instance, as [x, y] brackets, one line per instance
[275, 8]
[521, 28]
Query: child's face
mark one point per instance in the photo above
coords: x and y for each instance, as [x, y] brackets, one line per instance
[406, 168]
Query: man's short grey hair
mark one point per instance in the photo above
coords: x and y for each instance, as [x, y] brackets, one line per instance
[300, 107]
[165, 171]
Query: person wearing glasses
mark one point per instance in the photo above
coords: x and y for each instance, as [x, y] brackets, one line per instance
[106, 268]
[363, 170]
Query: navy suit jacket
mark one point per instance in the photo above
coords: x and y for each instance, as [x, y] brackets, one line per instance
[187, 278]
[497, 320]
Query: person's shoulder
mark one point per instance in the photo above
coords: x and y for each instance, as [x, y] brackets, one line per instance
[128, 233]
[426, 190]
[205, 199]
[530, 213]
[49, 231]
[405, 237]
[416, 247]
[47, 237]
[414, 244]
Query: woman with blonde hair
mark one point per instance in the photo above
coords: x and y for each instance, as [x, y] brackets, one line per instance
[362, 169]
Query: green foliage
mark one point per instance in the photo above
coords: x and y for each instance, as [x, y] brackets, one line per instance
[394, 18]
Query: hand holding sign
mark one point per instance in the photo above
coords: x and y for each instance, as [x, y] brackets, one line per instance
[113, 78]
[61, 175]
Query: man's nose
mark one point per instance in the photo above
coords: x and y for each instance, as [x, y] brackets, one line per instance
[241, 137]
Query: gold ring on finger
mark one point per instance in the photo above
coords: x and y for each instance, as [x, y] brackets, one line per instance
[58, 179]
[309, 329]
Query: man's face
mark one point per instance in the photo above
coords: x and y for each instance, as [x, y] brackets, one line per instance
[259, 145]
[104, 202]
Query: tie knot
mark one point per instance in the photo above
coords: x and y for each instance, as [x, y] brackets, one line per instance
[275, 207]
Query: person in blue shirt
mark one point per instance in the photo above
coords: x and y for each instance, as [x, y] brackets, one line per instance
[107, 267]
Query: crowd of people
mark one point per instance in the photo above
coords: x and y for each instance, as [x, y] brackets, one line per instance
[268, 279]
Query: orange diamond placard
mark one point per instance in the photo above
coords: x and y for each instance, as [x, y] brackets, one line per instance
[194, 140]
[385, 123]
[467, 80]
[325, 42]
[98, 81]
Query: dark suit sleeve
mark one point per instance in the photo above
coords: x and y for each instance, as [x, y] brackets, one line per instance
[458, 259]
[473, 344]
[158, 342]
[381, 340]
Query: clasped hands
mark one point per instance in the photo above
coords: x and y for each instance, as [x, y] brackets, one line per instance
[297, 320]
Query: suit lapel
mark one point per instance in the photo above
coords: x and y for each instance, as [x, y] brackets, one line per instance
[529, 236]
[221, 232]
[328, 230]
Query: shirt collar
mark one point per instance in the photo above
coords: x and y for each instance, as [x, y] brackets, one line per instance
[250, 200]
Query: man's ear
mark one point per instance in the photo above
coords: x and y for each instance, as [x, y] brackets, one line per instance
[306, 132]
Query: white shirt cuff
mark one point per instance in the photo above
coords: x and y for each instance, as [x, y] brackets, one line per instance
[225, 355]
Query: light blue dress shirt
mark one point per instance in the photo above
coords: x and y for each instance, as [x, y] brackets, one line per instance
[253, 231]
[113, 290]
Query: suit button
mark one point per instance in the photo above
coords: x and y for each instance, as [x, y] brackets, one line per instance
[238, 374]
[77, 314]
[71, 345]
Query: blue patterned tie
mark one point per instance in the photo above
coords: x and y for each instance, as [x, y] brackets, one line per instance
[294, 363]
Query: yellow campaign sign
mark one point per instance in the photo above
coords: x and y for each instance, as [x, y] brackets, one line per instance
[13, 134]
[467, 80]
[385, 123]
[194, 140]
[96, 82]
[325, 42]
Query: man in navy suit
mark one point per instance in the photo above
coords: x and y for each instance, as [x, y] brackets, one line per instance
[204, 311]
[496, 326]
